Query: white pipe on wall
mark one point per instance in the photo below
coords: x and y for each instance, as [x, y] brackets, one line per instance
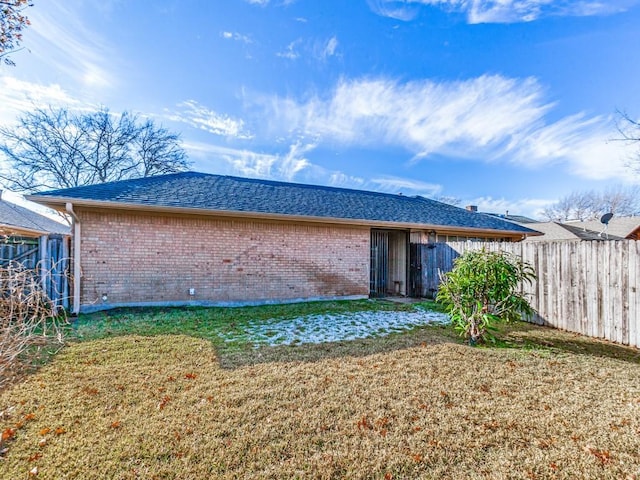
[76, 258]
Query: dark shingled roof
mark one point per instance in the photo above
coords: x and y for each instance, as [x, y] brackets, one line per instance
[215, 192]
[14, 215]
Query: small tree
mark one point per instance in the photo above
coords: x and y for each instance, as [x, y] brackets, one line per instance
[483, 288]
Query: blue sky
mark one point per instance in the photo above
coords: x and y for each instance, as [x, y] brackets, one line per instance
[507, 104]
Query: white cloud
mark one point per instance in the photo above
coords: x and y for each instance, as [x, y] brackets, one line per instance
[236, 36]
[584, 143]
[290, 52]
[263, 3]
[318, 49]
[502, 11]
[510, 11]
[330, 48]
[406, 186]
[342, 180]
[423, 116]
[198, 116]
[294, 162]
[396, 9]
[484, 118]
[17, 96]
[59, 38]
[279, 166]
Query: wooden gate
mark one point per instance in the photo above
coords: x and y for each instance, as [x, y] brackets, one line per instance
[426, 261]
[55, 270]
[48, 255]
[415, 270]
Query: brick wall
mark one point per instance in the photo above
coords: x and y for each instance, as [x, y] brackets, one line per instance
[134, 258]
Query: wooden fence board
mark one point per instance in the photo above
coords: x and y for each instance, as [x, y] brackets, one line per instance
[623, 290]
[605, 289]
[634, 295]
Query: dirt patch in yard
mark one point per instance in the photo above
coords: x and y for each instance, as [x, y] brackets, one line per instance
[162, 407]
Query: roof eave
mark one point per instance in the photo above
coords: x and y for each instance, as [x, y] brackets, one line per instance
[7, 229]
[59, 203]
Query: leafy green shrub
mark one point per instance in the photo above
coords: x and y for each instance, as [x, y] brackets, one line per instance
[483, 288]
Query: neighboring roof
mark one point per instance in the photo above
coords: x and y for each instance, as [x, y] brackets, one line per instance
[620, 227]
[215, 193]
[512, 218]
[562, 231]
[15, 217]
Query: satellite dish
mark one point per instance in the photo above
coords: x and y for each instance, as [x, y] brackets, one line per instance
[606, 218]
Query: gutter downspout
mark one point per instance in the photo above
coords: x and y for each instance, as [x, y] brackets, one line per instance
[76, 258]
[44, 262]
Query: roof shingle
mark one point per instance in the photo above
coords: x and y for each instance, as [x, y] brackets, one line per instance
[194, 190]
[13, 215]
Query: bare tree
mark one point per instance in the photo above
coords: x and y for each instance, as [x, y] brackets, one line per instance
[12, 22]
[629, 130]
[54, 148]
[158, 150]
[591, 205]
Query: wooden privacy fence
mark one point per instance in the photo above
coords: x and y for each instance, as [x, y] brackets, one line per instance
[48, 255]
[21, 250]
[584, 287]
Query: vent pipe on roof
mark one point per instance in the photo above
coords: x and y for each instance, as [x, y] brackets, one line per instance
[472, 208]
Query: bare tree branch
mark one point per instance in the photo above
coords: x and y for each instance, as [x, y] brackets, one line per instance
[54, 148]
[629, 130]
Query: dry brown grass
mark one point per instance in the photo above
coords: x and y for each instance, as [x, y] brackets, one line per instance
[163, 407]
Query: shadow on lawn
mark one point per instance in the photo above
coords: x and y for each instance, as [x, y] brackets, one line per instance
[519, 336]
[523, 335]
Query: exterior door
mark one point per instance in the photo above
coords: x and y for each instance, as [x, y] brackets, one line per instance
[379, 263]
[424, 267]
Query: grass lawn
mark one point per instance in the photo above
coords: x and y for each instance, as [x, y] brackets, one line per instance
[159, 394]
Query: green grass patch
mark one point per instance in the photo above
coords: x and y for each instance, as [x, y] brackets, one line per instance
[212, 323]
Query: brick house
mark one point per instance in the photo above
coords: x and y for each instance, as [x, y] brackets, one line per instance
[198, 239]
